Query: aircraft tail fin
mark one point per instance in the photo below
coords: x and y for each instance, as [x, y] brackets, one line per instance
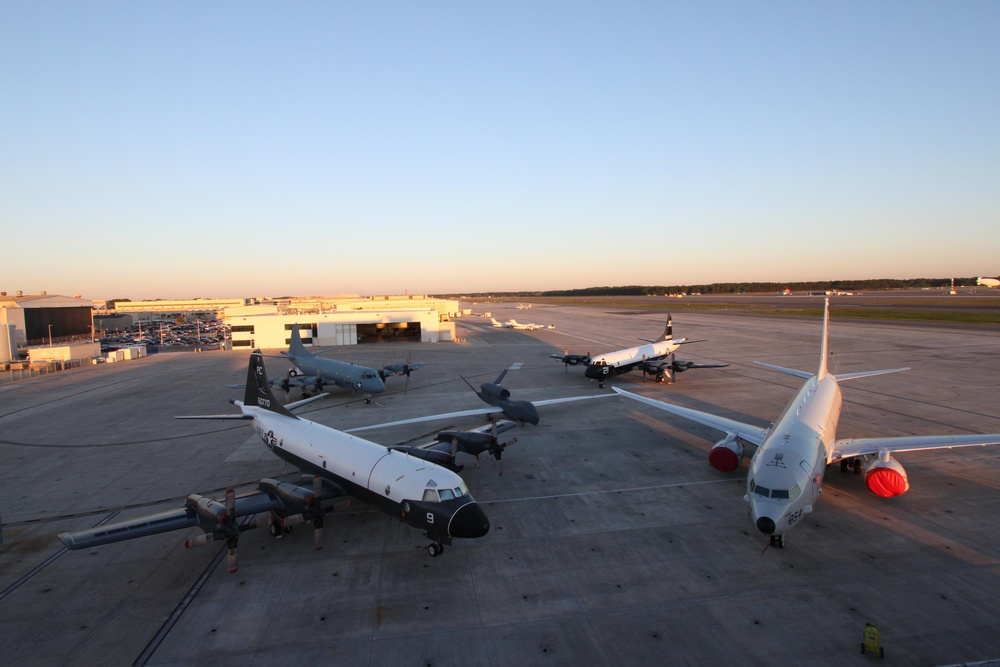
[295, 346]
[824, 347]
[668, 332]
[258, 391]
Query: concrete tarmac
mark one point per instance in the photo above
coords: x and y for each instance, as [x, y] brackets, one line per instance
[613, 542]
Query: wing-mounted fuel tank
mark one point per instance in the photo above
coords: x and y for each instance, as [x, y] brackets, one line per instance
[727, 455]
[886, 477]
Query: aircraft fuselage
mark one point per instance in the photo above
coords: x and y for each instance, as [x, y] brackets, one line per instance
[622, 361]
[786, 473]
[360, 379]
[421, 494]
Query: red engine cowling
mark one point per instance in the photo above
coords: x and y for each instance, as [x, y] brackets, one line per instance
[726, 454]
[886, 478]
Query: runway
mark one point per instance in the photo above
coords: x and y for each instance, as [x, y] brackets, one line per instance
[613, 542]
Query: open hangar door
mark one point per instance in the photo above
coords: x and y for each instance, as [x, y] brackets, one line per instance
[385, 332]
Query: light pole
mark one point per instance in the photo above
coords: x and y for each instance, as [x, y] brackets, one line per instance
[50, 335]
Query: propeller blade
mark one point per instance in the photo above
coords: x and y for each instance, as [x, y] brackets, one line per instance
[234, 558]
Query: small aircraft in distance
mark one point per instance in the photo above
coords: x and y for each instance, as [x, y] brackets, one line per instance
[656, 358]
[313, 371]
[414, 490]
[499, 400]
[514, 324]
[789, 457]
[988, 282]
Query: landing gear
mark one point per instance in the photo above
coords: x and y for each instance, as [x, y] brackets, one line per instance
[844, 465]
[778, 541]
[276, 529]
[435, 549]
[601, 384]
[857, 466]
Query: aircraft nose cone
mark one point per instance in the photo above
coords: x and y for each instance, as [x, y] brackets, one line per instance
[765, 525]
[469, 520]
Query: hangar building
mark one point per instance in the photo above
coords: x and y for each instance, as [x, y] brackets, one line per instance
[344, 322]
[41, 318]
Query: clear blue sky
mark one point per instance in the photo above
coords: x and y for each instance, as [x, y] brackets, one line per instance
[183, 149]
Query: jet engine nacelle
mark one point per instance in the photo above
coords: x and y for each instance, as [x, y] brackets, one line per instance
[495, 390]
[727, 454]
[886, 477]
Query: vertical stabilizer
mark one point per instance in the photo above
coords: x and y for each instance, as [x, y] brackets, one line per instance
[821, 373]
[258, 391]
[295, 346]
[668, 332]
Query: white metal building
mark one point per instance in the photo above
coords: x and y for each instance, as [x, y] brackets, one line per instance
[344, 322]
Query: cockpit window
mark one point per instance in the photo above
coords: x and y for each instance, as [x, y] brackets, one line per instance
[431, 496]
[447, 494]
[765, 492]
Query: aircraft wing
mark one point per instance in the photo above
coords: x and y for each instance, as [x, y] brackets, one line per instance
[852, 447]
[748, 432]
[448, 415]
[201, 511]
[553, 401]
[163, 522]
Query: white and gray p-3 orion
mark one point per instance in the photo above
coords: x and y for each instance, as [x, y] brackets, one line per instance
[416, 491]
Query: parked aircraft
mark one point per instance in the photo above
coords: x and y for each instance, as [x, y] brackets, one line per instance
[988, 282]
[414, 490]
[499, 400]
[444, 449]
[313, 372]
[651, 358]
[514, 324]
[789, 458]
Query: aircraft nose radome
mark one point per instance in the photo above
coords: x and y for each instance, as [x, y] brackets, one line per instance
[765, 525]
[469, 521]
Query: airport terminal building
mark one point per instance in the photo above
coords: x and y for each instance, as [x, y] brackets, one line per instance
[343, 321]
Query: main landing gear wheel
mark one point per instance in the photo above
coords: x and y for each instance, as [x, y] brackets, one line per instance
[778, 541]
[275, 527]
[435, 549]
[601, 384]
[844, 465]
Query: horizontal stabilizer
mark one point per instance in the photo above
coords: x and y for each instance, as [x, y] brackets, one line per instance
[213, 417]
[790, 371]
[863, 374]
[305, 401]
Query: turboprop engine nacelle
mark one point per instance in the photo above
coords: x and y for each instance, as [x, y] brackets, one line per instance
[727, 454]
[886, 477]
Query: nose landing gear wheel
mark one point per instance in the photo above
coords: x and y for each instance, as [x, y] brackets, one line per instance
[435, 549]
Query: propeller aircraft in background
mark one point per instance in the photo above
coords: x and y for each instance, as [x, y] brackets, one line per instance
[656, 358]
